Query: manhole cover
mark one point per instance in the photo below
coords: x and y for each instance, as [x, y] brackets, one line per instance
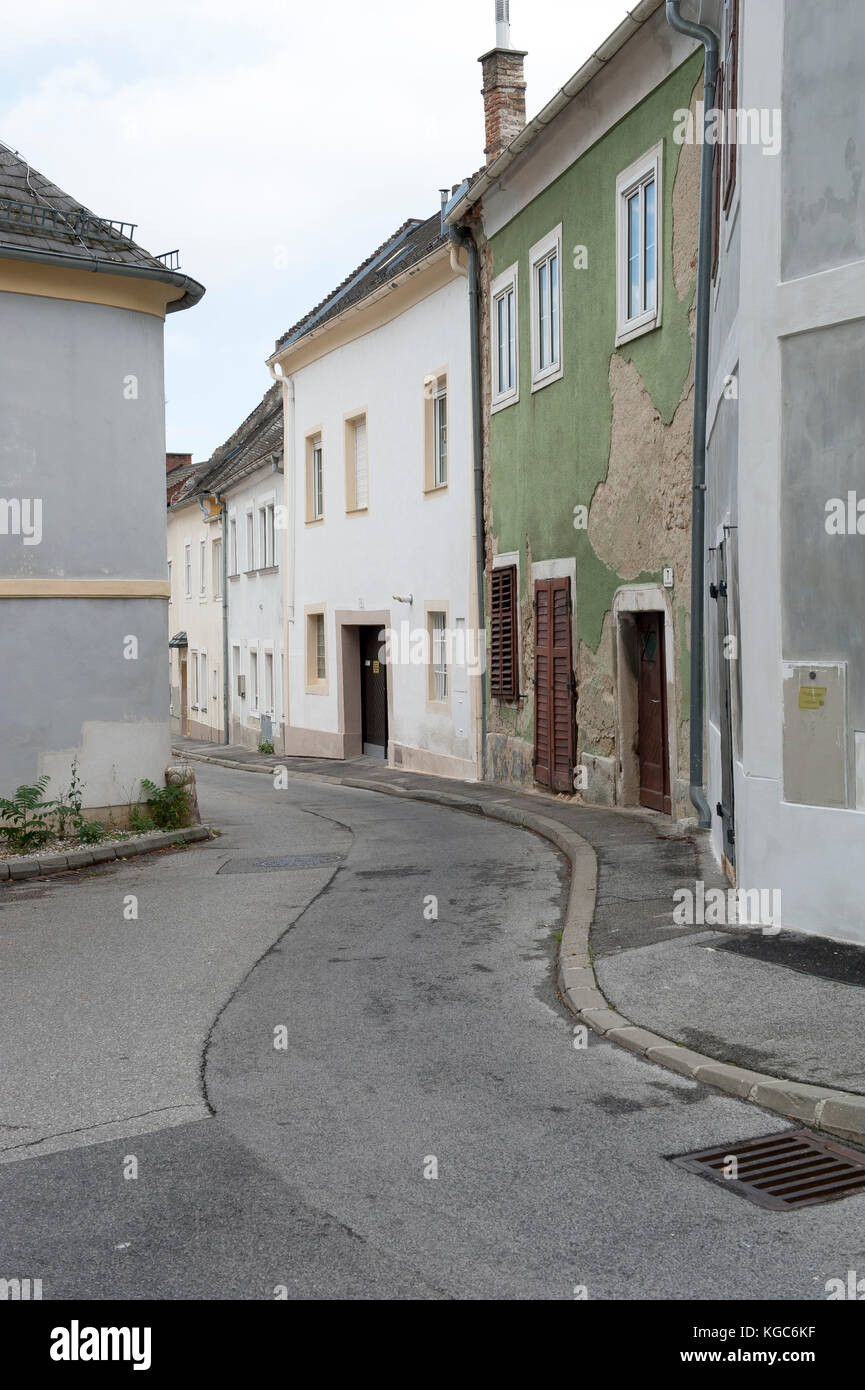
[279, 862]
[782, 1171]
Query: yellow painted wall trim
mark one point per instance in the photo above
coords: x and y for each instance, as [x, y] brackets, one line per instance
[87, 286]
[85, 588]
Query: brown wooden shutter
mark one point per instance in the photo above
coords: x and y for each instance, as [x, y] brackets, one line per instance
[731, 99]
[543, 684]
[504, 660]
[554, 685]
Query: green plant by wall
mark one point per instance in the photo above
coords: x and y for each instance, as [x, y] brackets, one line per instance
[169, 807]
[265, 746]
[26, 817]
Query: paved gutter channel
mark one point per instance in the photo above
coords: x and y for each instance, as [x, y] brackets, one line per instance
[596, 900]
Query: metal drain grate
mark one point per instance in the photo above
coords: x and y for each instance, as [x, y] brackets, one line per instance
[278, 863]
[783, 1171]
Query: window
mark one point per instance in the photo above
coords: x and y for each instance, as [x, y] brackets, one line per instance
[437, 622]
[435, 431]
[202, 688]
[356, 468]
[253, 678]
[187, 570]
[545, 262]
[217, 568]
[504, 661]
[202, 573]
[265, 536]
[250, 542]
[170, 590]
[316, 651]
[232, 545]
[268, 682]
[314, 479]
[195, 687]
[504, 356]
[639, 247]
[239, 684]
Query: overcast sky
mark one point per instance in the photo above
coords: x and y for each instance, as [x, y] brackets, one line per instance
[276, 143]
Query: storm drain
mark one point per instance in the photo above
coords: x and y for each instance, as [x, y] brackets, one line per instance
[782, 1171]
[279, 862]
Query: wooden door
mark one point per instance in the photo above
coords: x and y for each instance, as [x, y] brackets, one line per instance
[554, 685]
[652, 713]
[373, 691]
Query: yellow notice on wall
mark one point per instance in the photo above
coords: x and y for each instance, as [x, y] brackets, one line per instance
[376, 667]
[812, 696]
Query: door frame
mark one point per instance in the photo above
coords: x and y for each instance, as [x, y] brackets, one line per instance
[349, 704]
[629, 601]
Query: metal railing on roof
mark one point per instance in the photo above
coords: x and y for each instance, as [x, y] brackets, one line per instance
[77, 223]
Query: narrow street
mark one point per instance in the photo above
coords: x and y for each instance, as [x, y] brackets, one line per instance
[329, 1091]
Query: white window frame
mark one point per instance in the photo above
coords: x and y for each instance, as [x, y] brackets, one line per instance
[541, 252]
[203, 685]
[317, 498]
[187, 568]
[250, 540]
[637, 175]
[232, 544]
[254, 681]
[202, 568]
[440, 479]
[506, 283]
[216, 549]
[195, 681]
[269, 681]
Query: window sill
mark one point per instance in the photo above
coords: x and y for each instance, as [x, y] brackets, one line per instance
[504, 402]
[232, 578]
[321, 688]
[250, 573]
[314, 521]
[436, 488]
[442, 707]
[539, 383]
[269, 569]
[627, 335]
[356, 511]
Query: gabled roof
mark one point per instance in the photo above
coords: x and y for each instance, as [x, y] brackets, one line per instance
[248, 449]
[408, 245]
[39, 221]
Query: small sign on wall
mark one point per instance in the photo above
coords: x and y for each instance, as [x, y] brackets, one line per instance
[668, 577]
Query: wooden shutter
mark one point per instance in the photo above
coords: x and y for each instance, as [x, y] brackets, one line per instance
[504, 662]
[731, 99]
[554, 685]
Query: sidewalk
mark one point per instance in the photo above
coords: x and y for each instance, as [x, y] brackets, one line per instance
[784, 1014]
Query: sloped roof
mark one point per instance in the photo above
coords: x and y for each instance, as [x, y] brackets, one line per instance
[408, 245]
[247, 450]
[39, 216]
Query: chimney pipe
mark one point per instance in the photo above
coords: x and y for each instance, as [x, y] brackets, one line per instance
[504, 89]
[503, 23]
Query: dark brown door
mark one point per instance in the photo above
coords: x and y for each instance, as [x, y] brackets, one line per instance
[373, 691]
[652, 698]
[554, 685]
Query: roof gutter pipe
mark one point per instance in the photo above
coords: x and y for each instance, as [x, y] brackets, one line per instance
[709, 39]
[462, 238]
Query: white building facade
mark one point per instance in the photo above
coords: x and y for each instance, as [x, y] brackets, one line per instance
[785, 550]
[382, 649]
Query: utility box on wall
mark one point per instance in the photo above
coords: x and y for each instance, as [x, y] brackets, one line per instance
[815, 733]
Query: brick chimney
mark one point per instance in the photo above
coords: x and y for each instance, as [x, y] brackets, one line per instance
[173, 461]
[504, 89]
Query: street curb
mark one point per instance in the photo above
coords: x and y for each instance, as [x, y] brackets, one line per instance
[839, 1113]
[15, 871]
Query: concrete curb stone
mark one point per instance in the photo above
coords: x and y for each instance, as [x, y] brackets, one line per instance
[100, 853]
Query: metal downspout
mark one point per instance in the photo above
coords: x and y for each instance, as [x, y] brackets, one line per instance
[464, 238]
[709, 40]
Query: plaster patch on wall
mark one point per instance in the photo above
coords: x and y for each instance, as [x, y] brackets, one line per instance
[596, 708]
[686, 209]
[639, 520]
[112, 760]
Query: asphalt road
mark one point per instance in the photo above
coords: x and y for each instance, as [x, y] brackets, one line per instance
[352, 1079]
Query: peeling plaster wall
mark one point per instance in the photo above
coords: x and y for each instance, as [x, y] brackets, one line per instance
[614, 434]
